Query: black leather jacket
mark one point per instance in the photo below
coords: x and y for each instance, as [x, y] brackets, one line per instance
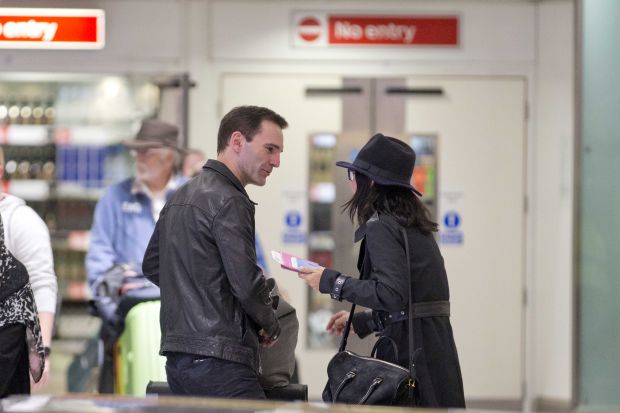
[202, 255]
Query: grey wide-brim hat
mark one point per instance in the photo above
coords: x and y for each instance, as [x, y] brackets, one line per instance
[385, 160]
[155, 133]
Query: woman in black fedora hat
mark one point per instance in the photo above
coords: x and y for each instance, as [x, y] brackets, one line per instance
[384, 202]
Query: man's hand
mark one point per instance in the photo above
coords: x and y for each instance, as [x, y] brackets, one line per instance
[266, 340]
[311, 275]
[128, 284]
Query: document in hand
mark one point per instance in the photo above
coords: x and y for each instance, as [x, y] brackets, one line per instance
[291, 262]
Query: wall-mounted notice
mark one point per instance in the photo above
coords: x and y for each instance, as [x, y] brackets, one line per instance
[294, 219]
[451, 218]
[340, 29]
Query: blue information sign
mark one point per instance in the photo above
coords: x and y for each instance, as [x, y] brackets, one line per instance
[452, 233]
[451, 219]
[293, 219]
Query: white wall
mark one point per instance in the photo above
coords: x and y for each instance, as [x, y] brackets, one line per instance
[551, 287]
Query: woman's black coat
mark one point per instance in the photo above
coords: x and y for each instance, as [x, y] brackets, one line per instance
[383, 287]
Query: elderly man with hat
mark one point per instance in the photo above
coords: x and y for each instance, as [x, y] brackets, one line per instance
[125, 215]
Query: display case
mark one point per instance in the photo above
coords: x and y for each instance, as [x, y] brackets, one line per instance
[62, 137]
[321, 246]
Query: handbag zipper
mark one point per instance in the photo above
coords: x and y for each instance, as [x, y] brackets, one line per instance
[378, 360]
[375, 383]
[347, 378]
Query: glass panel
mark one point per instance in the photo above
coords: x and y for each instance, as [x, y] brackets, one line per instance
[61, 137]
[320, 232]
[599, 283]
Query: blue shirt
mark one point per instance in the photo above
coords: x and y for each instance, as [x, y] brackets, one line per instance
[122, 227]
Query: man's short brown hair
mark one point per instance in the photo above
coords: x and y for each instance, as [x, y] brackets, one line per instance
[247, 120]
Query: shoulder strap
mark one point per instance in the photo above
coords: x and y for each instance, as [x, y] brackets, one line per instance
[412, 372]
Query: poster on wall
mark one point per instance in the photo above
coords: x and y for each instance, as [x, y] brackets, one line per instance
[451, 218]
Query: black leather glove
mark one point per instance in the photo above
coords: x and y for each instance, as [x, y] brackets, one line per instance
[273, 293]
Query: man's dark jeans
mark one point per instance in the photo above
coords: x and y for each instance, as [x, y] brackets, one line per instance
[193, 375]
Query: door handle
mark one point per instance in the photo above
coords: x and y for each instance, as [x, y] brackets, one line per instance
[322, 91]
[428, 91]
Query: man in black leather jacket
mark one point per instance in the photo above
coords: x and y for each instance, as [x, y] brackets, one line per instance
[215, 304]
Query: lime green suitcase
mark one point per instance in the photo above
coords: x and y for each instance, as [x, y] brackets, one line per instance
[137, 351]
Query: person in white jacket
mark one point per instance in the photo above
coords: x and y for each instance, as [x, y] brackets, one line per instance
[28, 239]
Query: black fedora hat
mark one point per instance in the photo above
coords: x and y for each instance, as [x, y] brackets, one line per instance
[385, 160]
[155, 133]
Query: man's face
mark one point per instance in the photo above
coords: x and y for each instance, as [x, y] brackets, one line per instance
[153, 163]
[258, 157]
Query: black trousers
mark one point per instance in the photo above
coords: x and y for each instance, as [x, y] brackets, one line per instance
[14, 365]
[193, 375]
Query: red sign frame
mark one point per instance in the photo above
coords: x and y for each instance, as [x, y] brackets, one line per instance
[35, 28]
[329, 29]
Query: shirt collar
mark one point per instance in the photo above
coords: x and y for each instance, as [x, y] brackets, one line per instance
[138, 187]
[222, 169]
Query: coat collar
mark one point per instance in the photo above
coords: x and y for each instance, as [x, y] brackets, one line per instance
[222, 169]
[360, 232]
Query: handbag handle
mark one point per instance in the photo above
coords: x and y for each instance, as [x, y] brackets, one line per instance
[347, 328]
[392, 342]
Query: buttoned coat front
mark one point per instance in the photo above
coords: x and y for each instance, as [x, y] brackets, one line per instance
[384, 285]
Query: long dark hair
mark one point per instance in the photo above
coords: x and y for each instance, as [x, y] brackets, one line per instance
[397, 201]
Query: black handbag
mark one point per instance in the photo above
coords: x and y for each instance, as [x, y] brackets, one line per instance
[355, 379]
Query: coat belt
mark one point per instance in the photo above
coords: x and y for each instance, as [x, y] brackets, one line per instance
[420, 310]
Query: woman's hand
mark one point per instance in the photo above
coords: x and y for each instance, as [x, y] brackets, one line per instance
[43, 381]
[46, 320]
[311, 275]
[337, 322]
